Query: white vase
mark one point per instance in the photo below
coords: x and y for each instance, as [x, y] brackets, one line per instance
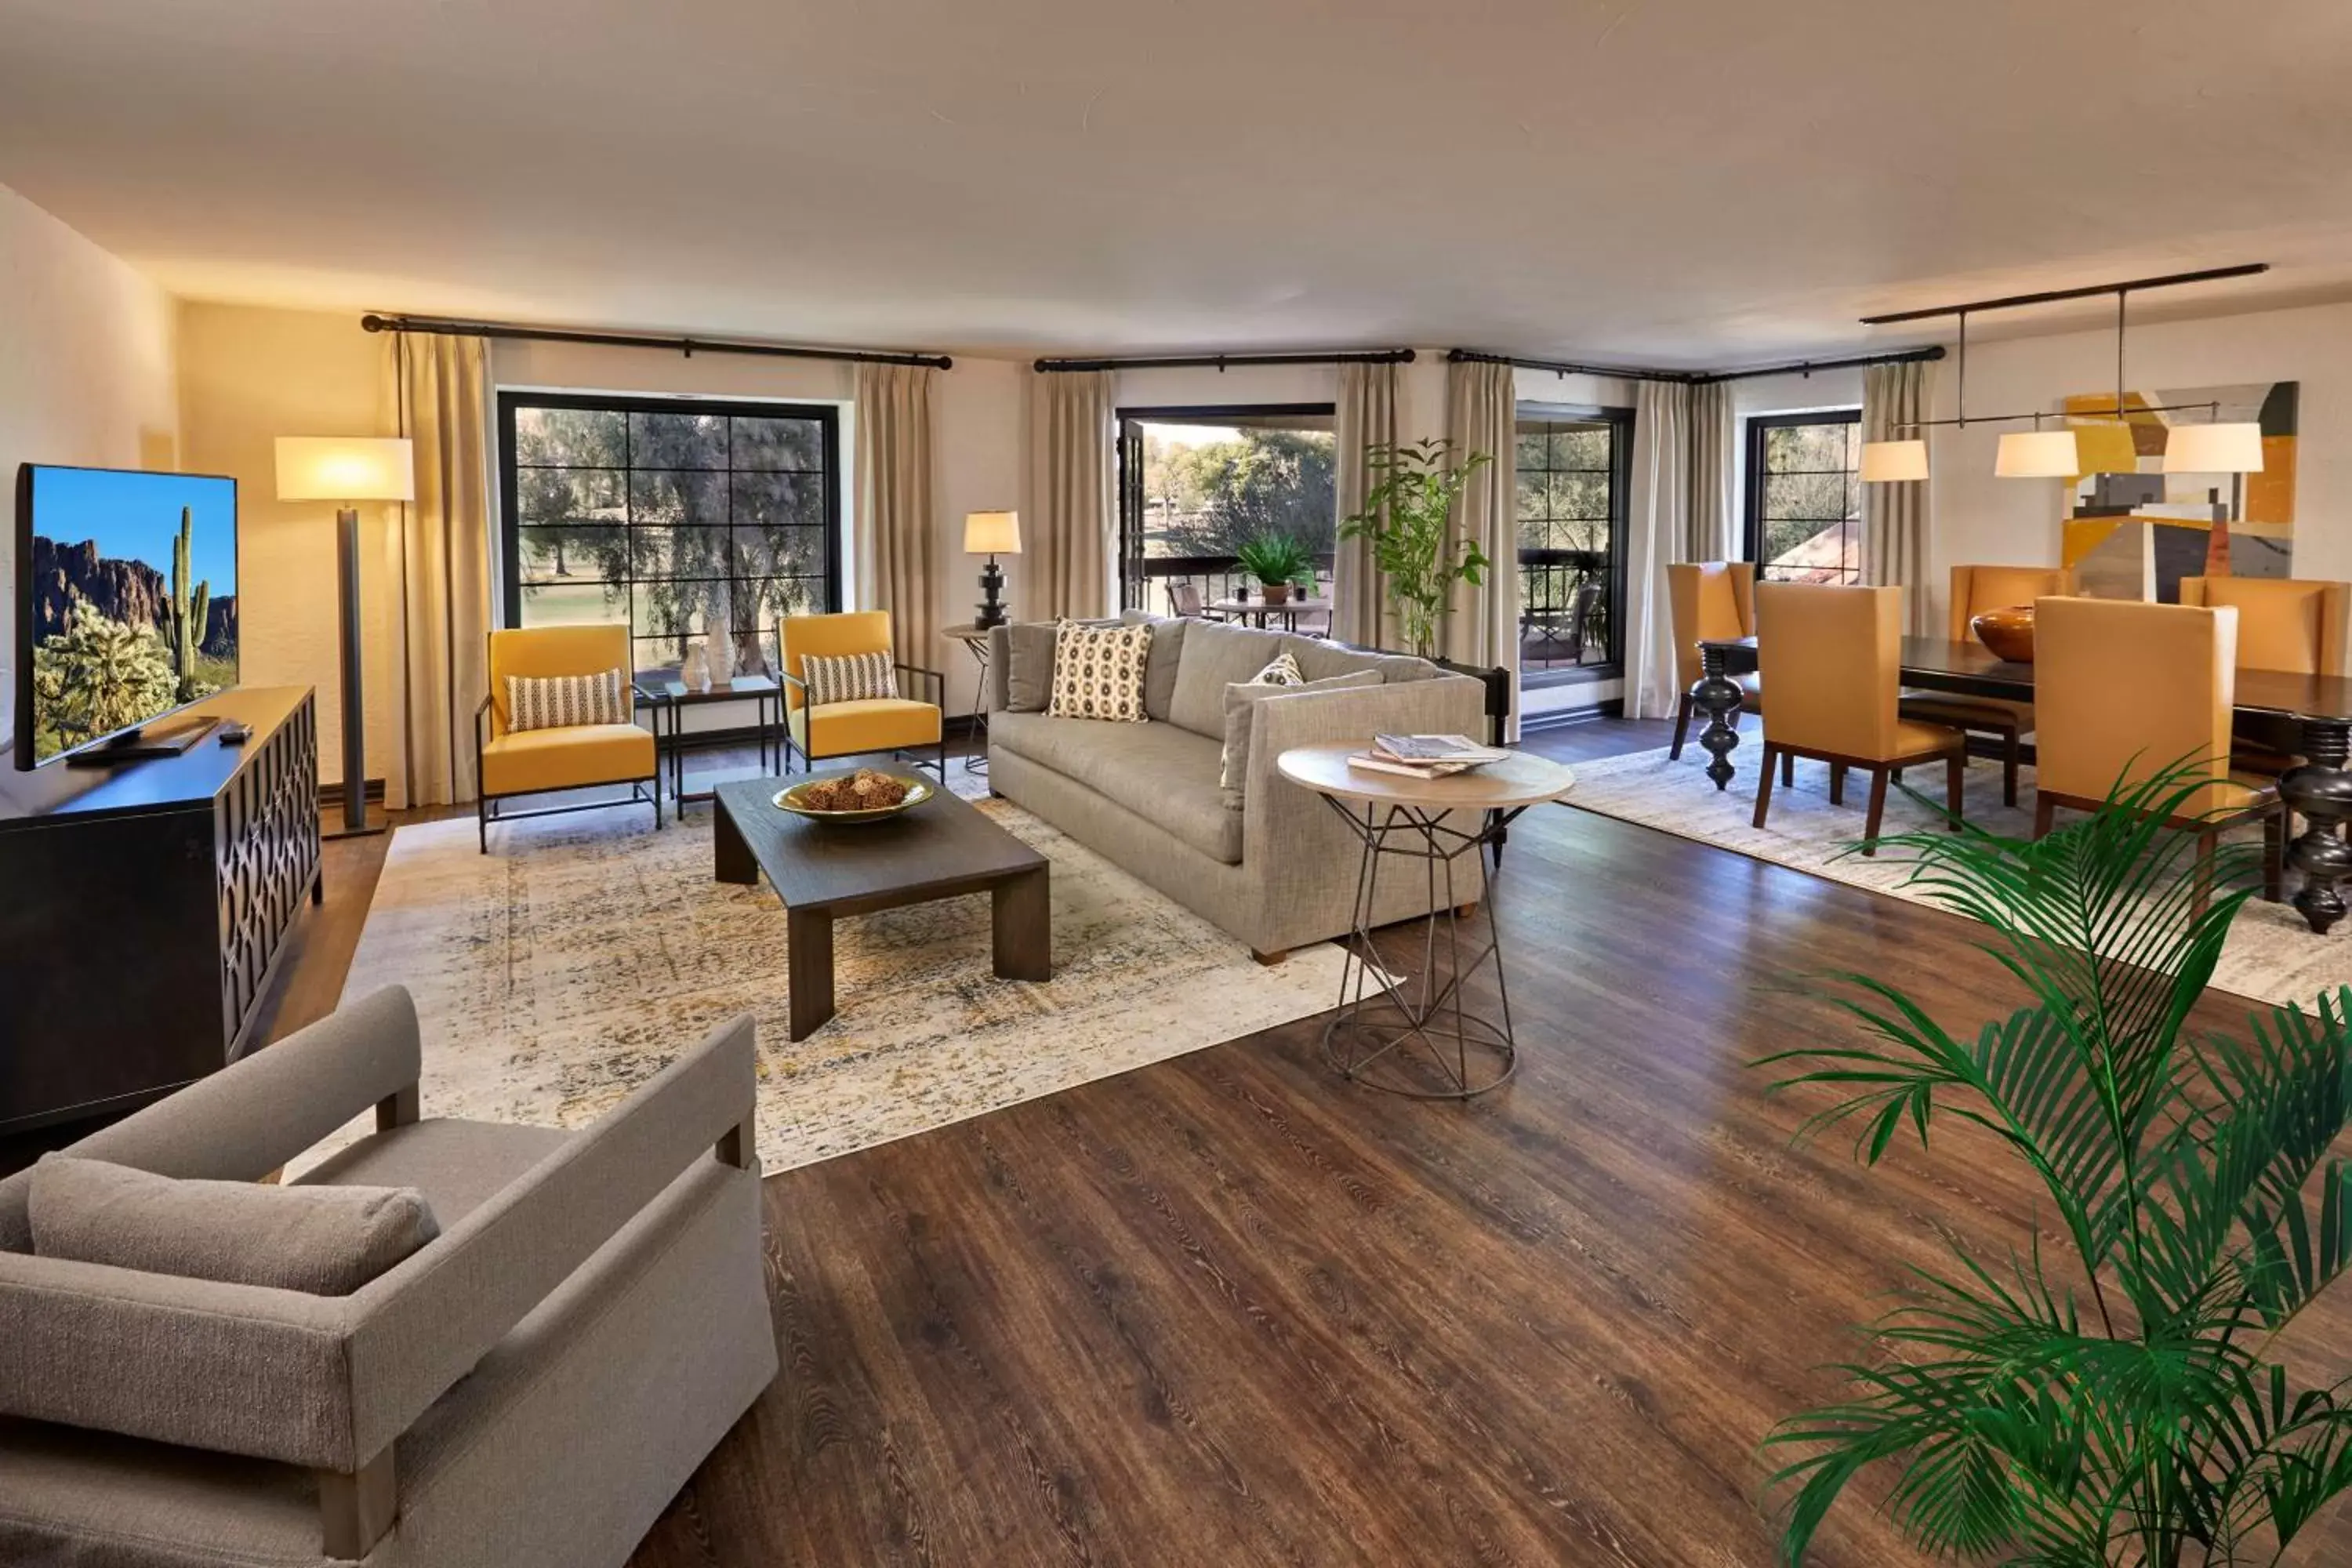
[694, 673]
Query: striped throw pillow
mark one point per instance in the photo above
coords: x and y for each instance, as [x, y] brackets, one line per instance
[852, 677]
[561, 701]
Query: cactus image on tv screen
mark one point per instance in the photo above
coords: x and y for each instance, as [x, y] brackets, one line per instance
[132, 602]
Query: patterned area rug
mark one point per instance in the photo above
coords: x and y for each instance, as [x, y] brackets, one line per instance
[583, 953]
[2272, 955]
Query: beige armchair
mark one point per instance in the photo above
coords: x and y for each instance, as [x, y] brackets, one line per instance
[526, 1390]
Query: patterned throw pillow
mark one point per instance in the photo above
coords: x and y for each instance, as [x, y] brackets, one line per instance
[561, 701]
[851, 678]
[1098, 672]
[1283, 671]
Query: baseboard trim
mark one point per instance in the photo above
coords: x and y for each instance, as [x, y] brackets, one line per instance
[1566, 718]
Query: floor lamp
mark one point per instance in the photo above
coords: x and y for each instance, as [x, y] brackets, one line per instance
[347, 470]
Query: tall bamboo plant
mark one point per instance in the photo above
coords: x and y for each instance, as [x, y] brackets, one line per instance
[1404, 518]
[2130, 1407]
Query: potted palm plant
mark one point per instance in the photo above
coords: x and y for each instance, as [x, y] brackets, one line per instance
[2131, 1406]
[1276, 560]
[1404, 518]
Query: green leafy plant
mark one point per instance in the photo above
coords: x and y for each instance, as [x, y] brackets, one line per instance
[1274, 558]
[2124, 1407]
[1404, 518]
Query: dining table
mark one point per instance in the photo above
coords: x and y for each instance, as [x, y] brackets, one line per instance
[2319, 788]
[1256, 610]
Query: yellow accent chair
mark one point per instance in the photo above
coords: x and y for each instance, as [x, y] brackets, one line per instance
[2126, 690]
[509, 763]
[1975, 590]
[1832, 659]
[890, 724]
[1709, 601]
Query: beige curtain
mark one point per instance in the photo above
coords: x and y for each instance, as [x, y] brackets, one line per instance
[1707, 534]
[1894, 516]
[1365, 417]
[1657, 527]
[897, 529]
[1482, 624]
[437, 551]
[1070, 540]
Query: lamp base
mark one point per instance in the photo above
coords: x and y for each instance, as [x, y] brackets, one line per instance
[992, 599]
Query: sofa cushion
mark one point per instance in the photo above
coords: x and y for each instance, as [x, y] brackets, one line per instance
[321, 1241]
[528, 759]
[1240, 699]
[1322, 660]
[1215, 656]
[459, 1165]
[1164, 774]
[1029, 665]
[848, 729]
[1159, 670]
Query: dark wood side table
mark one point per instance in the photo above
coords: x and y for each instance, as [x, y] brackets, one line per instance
[673, 697]
[825, 870]
[1384, 1011]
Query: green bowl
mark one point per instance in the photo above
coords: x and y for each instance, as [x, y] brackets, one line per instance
[918, 792]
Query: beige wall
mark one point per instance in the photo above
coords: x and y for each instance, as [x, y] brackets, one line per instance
[86, 376]
[248, 375]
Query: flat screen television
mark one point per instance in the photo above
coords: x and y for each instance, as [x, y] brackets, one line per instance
[126, 602]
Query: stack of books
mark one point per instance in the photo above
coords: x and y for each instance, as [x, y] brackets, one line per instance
[1425, 756]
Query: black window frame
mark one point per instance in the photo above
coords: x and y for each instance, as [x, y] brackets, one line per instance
[1129, 474]
[1752, 502]
[1620, 421]
[512, 400]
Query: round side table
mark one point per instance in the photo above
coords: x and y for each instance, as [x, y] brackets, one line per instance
[1417, 1035]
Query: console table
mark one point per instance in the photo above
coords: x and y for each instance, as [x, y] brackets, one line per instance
[147, 909]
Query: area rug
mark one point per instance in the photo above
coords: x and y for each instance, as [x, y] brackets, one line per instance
[568, 966]
[2271, 955]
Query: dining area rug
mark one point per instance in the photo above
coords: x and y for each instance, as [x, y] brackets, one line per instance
[583, 954]
[2272, 956]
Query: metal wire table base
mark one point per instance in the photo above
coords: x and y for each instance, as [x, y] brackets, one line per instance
[1415, 1035]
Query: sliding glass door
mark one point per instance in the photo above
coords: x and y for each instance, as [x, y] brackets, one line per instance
[1195, 484]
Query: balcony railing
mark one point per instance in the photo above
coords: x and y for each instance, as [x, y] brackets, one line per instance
[1564, 609]
[1214, 577]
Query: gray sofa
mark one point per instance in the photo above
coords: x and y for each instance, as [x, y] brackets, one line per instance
[1279, 870]
[531, 1387]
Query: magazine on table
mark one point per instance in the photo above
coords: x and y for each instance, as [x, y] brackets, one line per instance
[1430, 748]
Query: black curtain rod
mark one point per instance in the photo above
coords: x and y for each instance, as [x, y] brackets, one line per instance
[2051, 295]
[1694, 378]
[1806, 367]
[687, 346]
[1228, 361]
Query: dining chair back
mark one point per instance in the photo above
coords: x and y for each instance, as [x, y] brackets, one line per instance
[1707, 601]
[2296, 624]
[1976, 589]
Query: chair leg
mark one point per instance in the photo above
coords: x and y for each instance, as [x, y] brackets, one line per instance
[2046, 815]
[1877, 810]
[1837, 783]
[658, 804]
[482, 818]
[2208, 842]
[1955, 773]
[2011, 753]
[1788, 770]
[1764, 782]
[1682, 727]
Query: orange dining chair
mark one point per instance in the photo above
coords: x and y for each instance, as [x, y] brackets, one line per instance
[2296, 624]
[1709, 601]
[1975, 590]
[1832, 657]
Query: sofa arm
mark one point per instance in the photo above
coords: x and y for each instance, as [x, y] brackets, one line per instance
[418, 1329]
[251, 1117]
[998, 687]
[1276, 812]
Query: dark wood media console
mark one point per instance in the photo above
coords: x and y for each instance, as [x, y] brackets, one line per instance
[144, 911]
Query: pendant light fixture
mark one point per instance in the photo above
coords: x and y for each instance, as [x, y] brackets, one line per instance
[2037, 454]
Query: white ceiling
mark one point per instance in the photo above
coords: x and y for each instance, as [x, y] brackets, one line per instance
[1669, 182]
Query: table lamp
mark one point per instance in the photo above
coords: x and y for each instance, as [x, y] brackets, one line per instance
[347, 470]
[992, 533]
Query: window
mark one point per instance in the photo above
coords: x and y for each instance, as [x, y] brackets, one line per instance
[670, 515]
[1572, 485]
[1804, 497]
[1196, 484]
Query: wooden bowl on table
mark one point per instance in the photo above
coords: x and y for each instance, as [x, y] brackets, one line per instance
[811, 799]
[2008, 633]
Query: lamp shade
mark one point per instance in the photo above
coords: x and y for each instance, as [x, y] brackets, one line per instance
[345, 468]
[992, 533]
[1890, 462]
[2214, 449]
[2037, 455]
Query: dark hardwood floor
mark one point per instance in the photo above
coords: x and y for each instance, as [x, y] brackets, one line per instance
[1230, 1310]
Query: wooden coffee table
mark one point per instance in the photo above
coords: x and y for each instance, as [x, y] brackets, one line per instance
[822, 871]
